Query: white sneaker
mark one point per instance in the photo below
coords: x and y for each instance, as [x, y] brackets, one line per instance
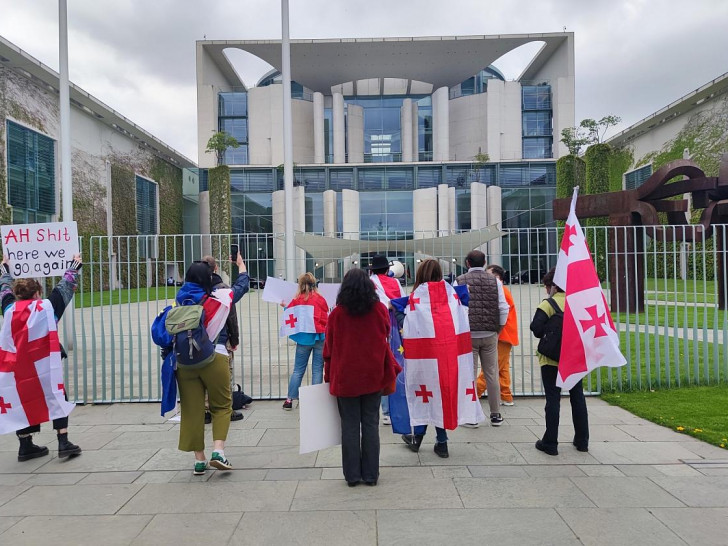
[504, 403]
[386, 420]
[470, 425]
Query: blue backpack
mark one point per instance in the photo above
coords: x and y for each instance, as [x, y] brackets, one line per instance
[191, 345]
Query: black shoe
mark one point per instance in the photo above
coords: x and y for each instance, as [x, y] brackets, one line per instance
[208, 417]
[371, 483]
[28, 450]
[352, 484]
[66, 448]
[414, 441]
[583, 449]
[441, 450]
[547, 450]
[236, 416]
[288, 404]
[496, 420]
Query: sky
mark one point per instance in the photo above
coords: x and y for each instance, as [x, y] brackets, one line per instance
[138, 56]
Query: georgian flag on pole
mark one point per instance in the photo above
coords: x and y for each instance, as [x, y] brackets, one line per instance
[588, 339]
[439, 382]
[31, 376]
[307, 316]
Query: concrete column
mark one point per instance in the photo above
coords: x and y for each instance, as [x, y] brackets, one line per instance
[495, 218]
[424, 209]
[331, 270]
[441, 124]
[415, 132]
[452, 209]
[318, 128]
[339, 128]
[405, 123]
[279, 245]
[299, 225]
[494, 99]
[511, 126]
[443, 210]
[355, 133]
[478, 206]
[351, 225]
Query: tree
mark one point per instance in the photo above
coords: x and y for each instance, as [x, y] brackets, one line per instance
[574, 138]
[597, 129]
[479, 161]
[219, 143]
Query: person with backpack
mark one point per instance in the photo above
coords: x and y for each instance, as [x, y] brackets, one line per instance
[229, 335]
[547, 325]
[193, 327]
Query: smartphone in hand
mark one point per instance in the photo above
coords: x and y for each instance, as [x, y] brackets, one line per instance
[234, 249]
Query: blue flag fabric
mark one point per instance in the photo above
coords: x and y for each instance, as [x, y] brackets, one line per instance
[169, 384]
[398, 410]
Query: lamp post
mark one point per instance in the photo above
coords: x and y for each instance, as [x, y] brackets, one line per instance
[65, 111]
[290, 245]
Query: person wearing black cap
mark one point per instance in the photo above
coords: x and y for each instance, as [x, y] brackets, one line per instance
[388, 288]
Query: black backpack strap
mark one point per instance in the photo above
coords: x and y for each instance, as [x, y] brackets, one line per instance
[554, 305]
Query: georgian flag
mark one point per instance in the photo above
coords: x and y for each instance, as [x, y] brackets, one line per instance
[217, 308]
[439, 381]
[588, 339]
[31, 376]
[309, 316]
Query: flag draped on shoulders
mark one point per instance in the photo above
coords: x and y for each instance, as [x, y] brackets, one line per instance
[31, 376]
[439, 380]
[305, 316]
[388, 288]
[588, 339]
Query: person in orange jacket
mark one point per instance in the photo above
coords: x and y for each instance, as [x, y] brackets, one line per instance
[507, 339]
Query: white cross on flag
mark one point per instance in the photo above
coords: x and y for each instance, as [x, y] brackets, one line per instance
[438, 351]
[31, 377]
[588, 339]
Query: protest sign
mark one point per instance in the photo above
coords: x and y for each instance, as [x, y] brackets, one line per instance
[319, 415]
[39, 250]
[279, 291]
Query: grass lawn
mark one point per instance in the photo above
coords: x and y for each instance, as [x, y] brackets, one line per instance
[130, 295]
[670, 314]
[697, 411]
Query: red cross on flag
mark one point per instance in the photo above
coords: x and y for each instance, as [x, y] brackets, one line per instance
[31, 377]
[439, 355]
[305, 315]
[588, 339]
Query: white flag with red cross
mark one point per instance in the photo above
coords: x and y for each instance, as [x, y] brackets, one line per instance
[439, 381]
[31, 376]
[588, 339]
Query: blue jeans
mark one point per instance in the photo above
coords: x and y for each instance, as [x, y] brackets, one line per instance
[301, 363]
[441, 435]
[385, 405]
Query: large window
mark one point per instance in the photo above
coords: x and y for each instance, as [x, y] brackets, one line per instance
[537, 121]
[634, 179]
[146, 202]
[314, 208]
[385, 215]
[31, 175]
[233, 119]
[252, 212]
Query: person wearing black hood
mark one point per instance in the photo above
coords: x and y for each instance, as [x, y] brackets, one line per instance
[229, 335]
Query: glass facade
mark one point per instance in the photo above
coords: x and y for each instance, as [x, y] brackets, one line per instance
[634, 179]
[233, 119]
[537, 124]
[476, 84]
[31, 175]
[385, 215]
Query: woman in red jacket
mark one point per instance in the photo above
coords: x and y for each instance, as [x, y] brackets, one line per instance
[358, 365]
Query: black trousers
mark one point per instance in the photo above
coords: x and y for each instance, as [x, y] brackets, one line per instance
[360, 436]
[553, 404]
[58, 424]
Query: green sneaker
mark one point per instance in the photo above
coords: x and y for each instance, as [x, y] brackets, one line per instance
[200, 467]
[220, 462]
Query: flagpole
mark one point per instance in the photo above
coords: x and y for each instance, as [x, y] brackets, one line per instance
[290, 245]
[65, 111]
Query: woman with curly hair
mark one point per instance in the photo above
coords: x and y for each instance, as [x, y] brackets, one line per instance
[359, 365]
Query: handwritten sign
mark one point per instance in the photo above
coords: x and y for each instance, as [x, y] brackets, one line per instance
[40, 250]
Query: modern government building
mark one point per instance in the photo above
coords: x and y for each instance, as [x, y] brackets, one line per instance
[393, 138]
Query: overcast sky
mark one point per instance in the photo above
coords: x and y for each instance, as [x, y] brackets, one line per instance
[138, 56]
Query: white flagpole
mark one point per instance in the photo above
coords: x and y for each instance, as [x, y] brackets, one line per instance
[290, 245]
[65, 108]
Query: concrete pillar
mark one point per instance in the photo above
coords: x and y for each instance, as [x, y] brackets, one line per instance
[405, 123]
[478, 206]
[351, 225]
[443, 210]
[299, 225]
[424, 212]
[331, 271]
[415, 131]
[495, 218]
[494, 100]
[441, 124]
[453, 209]
[511, 125]
[355, 133]
[279, 245]
[339, 128]
[318, 128]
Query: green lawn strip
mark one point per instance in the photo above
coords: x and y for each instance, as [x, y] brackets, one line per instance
[689, 286]
[671, 296]
[697, 411]
[658, 361]
[124, 295]
[675, 314]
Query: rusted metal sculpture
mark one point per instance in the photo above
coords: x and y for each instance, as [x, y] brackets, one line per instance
[639, 207]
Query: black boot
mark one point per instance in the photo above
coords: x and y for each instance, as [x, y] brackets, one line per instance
[28, 450]
[66, 448]
[414, 441]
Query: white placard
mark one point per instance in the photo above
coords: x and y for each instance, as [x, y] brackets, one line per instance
[320, 424]
[40, 250]
[329, 291]
[279, 291]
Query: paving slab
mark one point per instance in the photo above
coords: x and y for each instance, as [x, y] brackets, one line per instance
[504, 471]
[609, 526]
[653, 433]
[392, 493]
[520, 492]
[177, 529]
[351, 527]
[113, 460]
[293, 474]
[76, 530]
[13, 479]
[70, 500]
[6, 522]
[697, 491]
[472, 454]
[9, 463]
[9, 492]
[385, 473]
[111, 477]
[196, 498]
[567, 455]
[552, 471]
[615, 492]
[491, 526]
[600, 470]
[698, 526]
[389, 455]
[639, 452]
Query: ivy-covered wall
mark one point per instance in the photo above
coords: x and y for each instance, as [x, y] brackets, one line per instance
[570, 172]
[220, 210]
[597, 158]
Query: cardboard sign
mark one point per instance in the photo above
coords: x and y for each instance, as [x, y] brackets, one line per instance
[320, 425]
[39, 250]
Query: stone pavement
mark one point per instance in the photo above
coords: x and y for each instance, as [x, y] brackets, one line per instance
[640, 483]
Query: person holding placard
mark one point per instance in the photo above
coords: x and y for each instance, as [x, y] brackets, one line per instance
[23, 307]
[359, 366]
[304, 321]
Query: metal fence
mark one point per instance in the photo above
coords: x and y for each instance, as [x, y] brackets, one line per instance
[665, 296]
